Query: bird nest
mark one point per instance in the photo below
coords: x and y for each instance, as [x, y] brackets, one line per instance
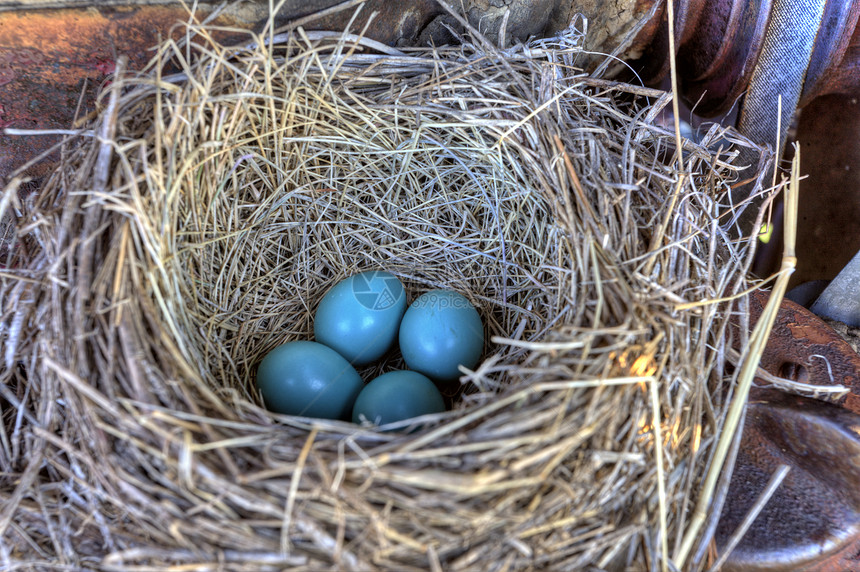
[199, 218]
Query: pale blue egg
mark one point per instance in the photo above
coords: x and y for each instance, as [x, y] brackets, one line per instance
[360, 316]
[440, 331]
[396, 396]
[308, 379]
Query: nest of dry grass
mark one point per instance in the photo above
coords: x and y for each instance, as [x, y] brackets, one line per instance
[199, 220]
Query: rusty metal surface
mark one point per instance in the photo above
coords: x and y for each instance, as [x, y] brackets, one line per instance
[812, 522]
[49, 60]
[838, 63]
[718, 44]
[833, 54]
[829, 225]
[802, 346]
[717, 62]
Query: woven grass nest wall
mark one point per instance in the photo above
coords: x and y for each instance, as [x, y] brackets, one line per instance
[199, 219]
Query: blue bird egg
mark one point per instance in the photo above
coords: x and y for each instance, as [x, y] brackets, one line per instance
[396, 396]
[360, 316]
[440, 331]
[308, 379]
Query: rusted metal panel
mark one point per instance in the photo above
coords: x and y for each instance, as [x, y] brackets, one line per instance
[50, 60]
[812, 522]
[804, 348]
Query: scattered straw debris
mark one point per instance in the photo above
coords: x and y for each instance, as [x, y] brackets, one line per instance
[198, 222]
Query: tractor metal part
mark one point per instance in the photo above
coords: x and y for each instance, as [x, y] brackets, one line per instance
[812, 522]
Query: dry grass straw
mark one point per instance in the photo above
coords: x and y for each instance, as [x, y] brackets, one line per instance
[197, 224]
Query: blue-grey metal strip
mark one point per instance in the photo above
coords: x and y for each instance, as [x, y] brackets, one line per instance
[780, 70]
